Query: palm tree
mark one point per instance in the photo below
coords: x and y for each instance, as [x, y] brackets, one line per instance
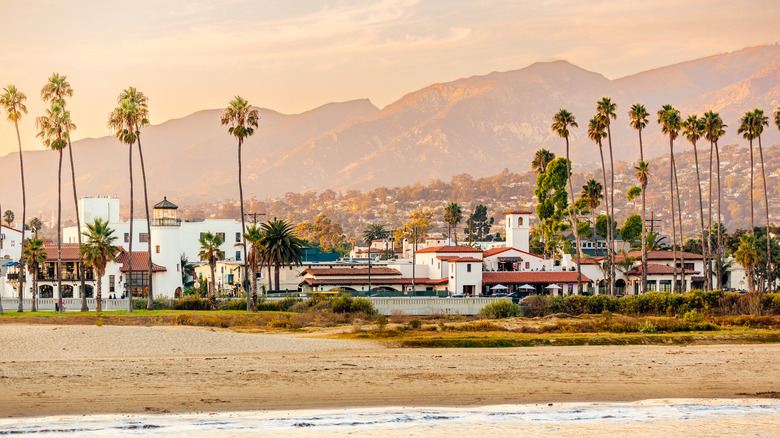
[210, 252]
[282, 246]
[562, 121]
[140, 103]
[452, 216]
[97, 251]
[693, 129]
[254, 237]
[592, 192]
[35, 225]
[643, 175]
[713, 128]
[34, 256]
[606, 108]
[373, 232]
[760, 120]
[12, 101]
[241, 120]
[638, 115]
[747, 256]
[655, 242]
[747, 129]
[596, 132]
[542, 158]
[57, 89]
[53, 128]
[123, 122]
[9, 217]
[669, 119]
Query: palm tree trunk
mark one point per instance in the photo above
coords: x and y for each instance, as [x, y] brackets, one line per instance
[679, 218]
[84, 307]
[701, 217]
[708, 259]
[644, 238]
[752, 222]
[769, 279]
[611, 211]
[270, 285]
[213, 295]
[99, 293]
[130, 245]
[241, 204]
[34, 306]
[720, 237]
[59, 234]
[575, 222]
[24, 221]
[671, 204]
[150, 297]
[253, 285]
[606, 208]
[276, 275]
[369, 268]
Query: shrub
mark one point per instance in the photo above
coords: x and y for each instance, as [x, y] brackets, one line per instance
[191, 303]
[693, 316]
[771, 303]
[232, 304]
[286, 303]
[534, 306]
[501, 309]
[280, 323]
[381, 322]
[341, 303]
[414, 324]
[362, 305]
[647, 327]
[477, 326]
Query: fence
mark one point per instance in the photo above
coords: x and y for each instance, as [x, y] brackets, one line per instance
[432, 305]
[70, 304]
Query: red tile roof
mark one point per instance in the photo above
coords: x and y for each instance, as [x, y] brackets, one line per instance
[374, 281]
[447, 249]
[10, 228]
[536, 277]
[656, 269]
[494, 251]
[519, 212]
[70, 252]
[661, 255]
[466, 260]
[590, 260]
[333, 272]
[139, 261]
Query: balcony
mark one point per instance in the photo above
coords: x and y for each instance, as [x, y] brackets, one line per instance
[166, 222]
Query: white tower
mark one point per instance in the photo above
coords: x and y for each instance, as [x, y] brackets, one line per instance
[518, 229]
[166, 249]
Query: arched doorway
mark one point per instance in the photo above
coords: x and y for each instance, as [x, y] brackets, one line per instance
[45, 291]
[88, 290]
[67, 291]
[620, 287]
[177, 293]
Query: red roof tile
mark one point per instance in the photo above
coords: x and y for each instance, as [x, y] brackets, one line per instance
[331, 272]
[518, 212]
[70, 252]
[448, 249]
[374, 281]
[494, 251]
[661, 255]
[536, 277]
[656, 269]
[466, 260]
[139, 261]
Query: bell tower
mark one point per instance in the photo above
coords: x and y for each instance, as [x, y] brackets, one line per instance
[518, 229]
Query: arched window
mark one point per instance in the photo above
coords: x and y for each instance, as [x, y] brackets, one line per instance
[520, 221]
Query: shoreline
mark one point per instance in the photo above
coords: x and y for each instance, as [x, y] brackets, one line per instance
[75, 370]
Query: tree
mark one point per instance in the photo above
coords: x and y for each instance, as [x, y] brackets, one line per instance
[97, 251]
[254, 237]
[638, 120]
[187, 271]
[370, 234]
[632, 229]
[35, 225]
[747, 256]
[12, 100]
[592, 192]
[282, 246]
[9, 217]
[669, 119]
[452, 216]
[322, 233]
[542, 158]
[210, 252]
[656, 242]
[552, 195]
[759, 121]
[693, 129]
[478, 224]
[562, 121]
[417, 226]
[139, 104]
[241, 120]
[643, 175]
[606, 109]
[626, 262]
[34, 256]
[597, 127]
[714, 129]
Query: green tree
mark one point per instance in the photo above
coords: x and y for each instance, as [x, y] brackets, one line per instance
[714, 129]
[643, 175]
[34, 257]
[370, 234]
[693, 129]
[542, 158]
[242, 121]
[562, 121]
[592, 192]
[669, 119]
[747, 256]
[759, 121]
[12, 100]
[597, 130]
[254, 237]
[210, 252]
[452, 216]
[322, 233]
[97, 251]
[9, 217]
[552, 195]
[35, 225]
[282, 246]
[478, 224]
[632, 229]
[606, 108]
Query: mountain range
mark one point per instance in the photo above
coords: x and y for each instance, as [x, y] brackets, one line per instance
[478, 125]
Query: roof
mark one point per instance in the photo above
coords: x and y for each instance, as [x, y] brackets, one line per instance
[535, 277]
[165, 204]
[70, 252]
[10, 228]
[139, 262]
[518, 212]
[374, 281]
[465, 260]
[591, 260]
[448, 249]
[339, 272]
[661, 255]
[493, 251]
[656, 269]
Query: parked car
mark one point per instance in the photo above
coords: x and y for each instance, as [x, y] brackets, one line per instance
[458, 296]
[500, 295]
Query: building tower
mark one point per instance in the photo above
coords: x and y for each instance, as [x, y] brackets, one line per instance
[166, 248]
[518, 229]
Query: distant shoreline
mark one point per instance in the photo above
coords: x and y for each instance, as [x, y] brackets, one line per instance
[74, 370]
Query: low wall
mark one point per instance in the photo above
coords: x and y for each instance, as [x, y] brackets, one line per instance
[432, 305]
[71, 304]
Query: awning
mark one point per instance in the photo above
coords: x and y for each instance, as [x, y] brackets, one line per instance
[510, 259]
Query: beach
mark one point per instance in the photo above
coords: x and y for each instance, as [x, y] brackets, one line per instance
[74, 370]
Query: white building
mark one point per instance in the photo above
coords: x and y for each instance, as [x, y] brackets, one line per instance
[10, 252]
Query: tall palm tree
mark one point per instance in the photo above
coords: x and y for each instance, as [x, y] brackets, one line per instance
[12, 101]
[693, 129]
[714, 129]
[53, 128]
[241, 120]
[597, 130]
[592, 192]
[747, 256]
[669, 119]
[759, 121]
[562, 121]
[638, 119]
[122, 121]
[57, 89]
[747, 129]
[373, 232]
[140, 103]
[97, 251]
[34, 256]
[452, 216]
[35, 225]
[643, 175]
[210, 252]
[542, 158]
[253, 237]
[607, 108]
[282, 246]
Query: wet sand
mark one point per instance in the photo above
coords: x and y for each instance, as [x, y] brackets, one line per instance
[53, 370]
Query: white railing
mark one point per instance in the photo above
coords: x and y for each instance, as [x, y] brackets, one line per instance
[70, 304]
[432, 305]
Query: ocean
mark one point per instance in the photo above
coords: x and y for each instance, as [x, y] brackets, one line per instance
[649, 418]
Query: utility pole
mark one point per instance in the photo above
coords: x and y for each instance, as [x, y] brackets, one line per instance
[652, 221]
[254, 216]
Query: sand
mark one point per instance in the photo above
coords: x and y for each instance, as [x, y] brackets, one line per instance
[48, 370]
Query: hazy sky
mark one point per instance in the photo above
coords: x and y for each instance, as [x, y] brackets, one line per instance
[296, 55]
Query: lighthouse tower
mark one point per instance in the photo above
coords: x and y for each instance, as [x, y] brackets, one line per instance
[166, 248]
[518, 229]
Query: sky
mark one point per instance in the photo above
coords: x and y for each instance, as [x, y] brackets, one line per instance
[294, 56]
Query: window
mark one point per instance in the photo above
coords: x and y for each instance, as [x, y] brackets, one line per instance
[238, 255]
[111, 281]
[201, 236]
[468, 267]
[143, 237]
[527, 265]
[177, 267]
[157, 249]
[221, 236]
[238, 237]
[665, 285]
[127, 237]
[519, 222]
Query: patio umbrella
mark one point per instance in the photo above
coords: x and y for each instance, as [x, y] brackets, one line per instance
[498, 287]
[11, 264]
[554, 286]
[527, 287]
